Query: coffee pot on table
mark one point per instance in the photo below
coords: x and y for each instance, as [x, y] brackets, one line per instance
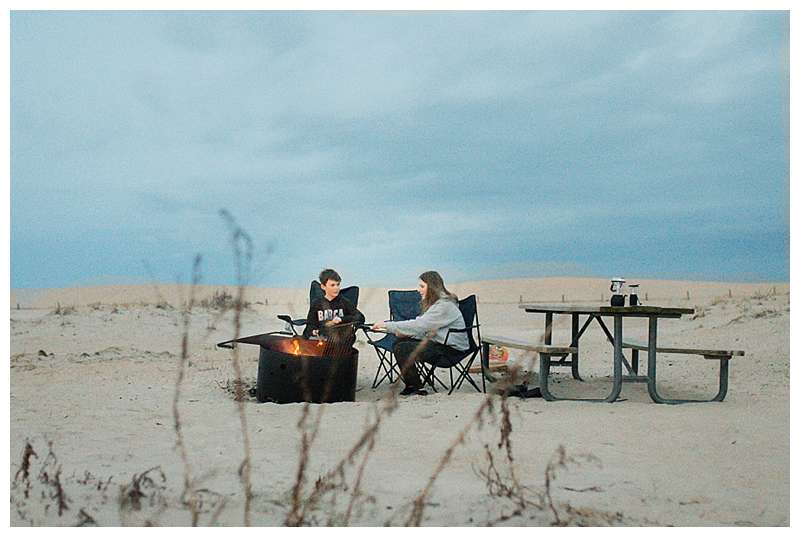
[617, 290]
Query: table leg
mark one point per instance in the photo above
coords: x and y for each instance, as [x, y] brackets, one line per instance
[548, 328]
[575, 341]
[545, 362]
[651, 372]
[618, 357]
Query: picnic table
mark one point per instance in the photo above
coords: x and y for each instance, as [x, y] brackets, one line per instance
[596, 314]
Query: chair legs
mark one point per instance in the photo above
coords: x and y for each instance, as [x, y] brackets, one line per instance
[387, 368]
[462, 374]
[428, 375]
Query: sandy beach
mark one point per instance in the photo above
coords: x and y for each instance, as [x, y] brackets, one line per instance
[93, 382]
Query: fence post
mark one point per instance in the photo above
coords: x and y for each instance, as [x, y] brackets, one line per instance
[687, 295]
[730, 294]
[562, 298]
[646, 298]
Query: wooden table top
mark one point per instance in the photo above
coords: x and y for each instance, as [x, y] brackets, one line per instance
[625, 311]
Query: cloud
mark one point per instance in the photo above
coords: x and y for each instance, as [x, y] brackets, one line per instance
[396, 140]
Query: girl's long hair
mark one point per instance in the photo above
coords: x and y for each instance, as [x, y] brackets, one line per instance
[436, 289]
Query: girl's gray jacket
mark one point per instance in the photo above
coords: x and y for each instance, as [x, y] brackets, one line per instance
[434, 323]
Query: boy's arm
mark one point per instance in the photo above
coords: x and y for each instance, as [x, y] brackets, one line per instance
[312, 321]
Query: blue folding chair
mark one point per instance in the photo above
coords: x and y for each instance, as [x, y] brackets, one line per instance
[462, 362]
[316, 292]
[403, 306]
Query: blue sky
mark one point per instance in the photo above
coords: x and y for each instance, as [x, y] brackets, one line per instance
[483, 145]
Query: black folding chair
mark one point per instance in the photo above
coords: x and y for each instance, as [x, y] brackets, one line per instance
[316, 292]
[403, 306]
[462, 362]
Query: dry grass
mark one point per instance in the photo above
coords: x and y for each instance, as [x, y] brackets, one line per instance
[145, 489]
[223, 300]
[64, 310]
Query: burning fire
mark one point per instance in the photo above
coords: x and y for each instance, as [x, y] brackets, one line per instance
[303, 347]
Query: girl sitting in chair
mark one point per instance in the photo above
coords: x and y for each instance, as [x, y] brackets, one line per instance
[423, 338]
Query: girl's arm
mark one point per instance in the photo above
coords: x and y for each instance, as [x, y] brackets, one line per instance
[428, 322]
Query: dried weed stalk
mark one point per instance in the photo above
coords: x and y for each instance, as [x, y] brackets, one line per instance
[188, 496]
[496, 484]
[130, 497]
[420, 502]
[50, 474]
[25, 467]
[143, 486]
[356, 493]
[85, 519]
[560, 461]
[243, 255]
[336, 478]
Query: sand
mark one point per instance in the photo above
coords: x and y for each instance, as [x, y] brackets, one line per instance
[96, 380]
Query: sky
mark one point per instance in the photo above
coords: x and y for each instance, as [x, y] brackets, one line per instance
[479, 144]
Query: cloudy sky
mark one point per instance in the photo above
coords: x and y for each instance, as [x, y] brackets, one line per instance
[483, 145]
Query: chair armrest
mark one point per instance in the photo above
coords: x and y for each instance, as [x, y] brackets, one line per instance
[467, 329]
[295, 322]
[367, 329]
[458, 330]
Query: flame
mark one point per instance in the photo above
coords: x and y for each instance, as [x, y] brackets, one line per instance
[295, 347]
[320, 343]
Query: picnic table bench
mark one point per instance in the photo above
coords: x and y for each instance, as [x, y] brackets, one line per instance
[541, 349]
[724, 357]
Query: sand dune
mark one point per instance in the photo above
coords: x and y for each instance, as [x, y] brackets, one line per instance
[96, 380]
[530, 289]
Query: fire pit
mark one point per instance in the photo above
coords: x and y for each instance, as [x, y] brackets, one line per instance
[294, 369]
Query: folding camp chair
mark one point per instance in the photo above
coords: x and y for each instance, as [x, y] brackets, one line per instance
[316, 292]
[462, 362]
[403, 306]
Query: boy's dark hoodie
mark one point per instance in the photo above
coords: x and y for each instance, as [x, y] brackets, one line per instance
[323, 310]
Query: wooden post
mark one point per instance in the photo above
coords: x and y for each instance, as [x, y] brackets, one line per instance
[520, 299]
[730, 294]
[562, 298]
[687, 295]
[646, 298]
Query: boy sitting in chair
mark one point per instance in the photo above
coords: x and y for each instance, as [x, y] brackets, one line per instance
[332, 309]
